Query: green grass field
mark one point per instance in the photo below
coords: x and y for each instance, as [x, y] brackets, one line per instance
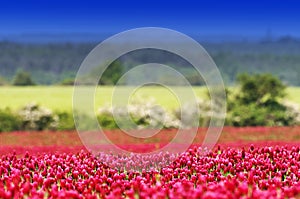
[60, 97]
[293, 94]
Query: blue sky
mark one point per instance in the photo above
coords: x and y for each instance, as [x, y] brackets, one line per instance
[207, 17]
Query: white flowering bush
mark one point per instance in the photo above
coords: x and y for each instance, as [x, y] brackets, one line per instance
[197, 114]
[143, 114]
[147, 114]
[188, 114]
[34, 117]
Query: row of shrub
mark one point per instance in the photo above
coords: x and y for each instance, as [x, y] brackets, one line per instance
[259, 101]
[153, 116]
[36, 118]
[147, 114]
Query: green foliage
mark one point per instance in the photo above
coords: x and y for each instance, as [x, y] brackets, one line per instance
[107, 121]
[9, 121]
[65, 121]
[112, 74]
[67, 82]
[260, 89]
[258, 102]
[22, 78]
[252, 115]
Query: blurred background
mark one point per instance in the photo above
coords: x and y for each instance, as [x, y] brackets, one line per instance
[49, 39]
[42, 44]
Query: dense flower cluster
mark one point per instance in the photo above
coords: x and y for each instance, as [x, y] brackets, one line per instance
[255, 172]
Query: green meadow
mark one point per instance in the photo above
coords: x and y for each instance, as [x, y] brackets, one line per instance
[60, 97]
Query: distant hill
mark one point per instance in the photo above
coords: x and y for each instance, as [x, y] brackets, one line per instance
[50, 63]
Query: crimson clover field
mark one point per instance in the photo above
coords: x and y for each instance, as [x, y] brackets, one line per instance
[256, 162]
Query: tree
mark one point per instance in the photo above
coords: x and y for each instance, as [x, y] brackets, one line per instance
[22, 78]
[112, 74]
[258, 102]
[260, 89]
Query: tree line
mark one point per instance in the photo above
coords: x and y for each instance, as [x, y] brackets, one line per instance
[58, 62]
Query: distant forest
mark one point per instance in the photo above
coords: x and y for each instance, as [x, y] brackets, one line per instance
[53, 63]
